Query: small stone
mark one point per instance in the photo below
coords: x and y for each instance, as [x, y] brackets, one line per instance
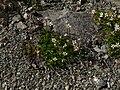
[4, 84]
[21, 25]
[25, 15]
[34, 65]
[67, 87]
[6, 88]
[97, 49]
[104, 48]
[18, 73]
[99, 82]
[30, 8]
[117, 61]
[43, 2]
[43, 83]
[106, 56]
[36, 89]
[16, 18]
[0, 44]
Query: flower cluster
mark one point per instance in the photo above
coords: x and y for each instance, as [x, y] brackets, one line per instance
[109, 20]
[117, 45]
[75, 44]
[57, 50]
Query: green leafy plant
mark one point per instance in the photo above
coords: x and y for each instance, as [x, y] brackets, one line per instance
[57, 50]
[110, 23]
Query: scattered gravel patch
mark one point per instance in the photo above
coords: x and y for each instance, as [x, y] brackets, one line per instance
[20, 72]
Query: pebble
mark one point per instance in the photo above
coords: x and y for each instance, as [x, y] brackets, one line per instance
[34, 65]
[104, 48]
[105, 56]
[67, 87]
[99, 82]
[21, 25]
[16, 18]
[97, 49]
[36, 89]
[25, 15]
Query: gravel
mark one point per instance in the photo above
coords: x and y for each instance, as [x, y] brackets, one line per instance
[20, 72]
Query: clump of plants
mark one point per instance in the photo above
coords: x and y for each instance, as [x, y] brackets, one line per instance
[58, 50]
[109, 21]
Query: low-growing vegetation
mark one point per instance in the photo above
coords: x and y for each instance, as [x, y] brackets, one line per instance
[57, 50]
[109, 21]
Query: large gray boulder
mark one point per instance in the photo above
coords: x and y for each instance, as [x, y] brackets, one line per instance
[80, 24]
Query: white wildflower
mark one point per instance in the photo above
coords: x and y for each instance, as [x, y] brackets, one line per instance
[53, 40]
[65, 45]
[50, 24]
[30, 8]
[54, 59]
[46, 18]
[60, 37]
[117, 27]
[101, 14]
[113, 8]
[117, 45]
[65, 34]
[30, 38]
[66, 21]
[106, 14]
[67, 40]
[113, 32]
[79, 39]
[54, 44]
[109, 24]
[79, 2]
[74, 42]
[65, 53]
[111, 19]
[118, 16]
[76, 48]
[63, 60]
[68, 25]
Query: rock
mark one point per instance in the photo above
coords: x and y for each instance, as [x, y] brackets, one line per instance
[34, 65]
[104, 48]
[16, 18]
[105, 56]
[43, 2]
[67, 87]
[80, 24]
[99, 83]
[25, 15]
[97, 49]
[36, 89]
[21, 25]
